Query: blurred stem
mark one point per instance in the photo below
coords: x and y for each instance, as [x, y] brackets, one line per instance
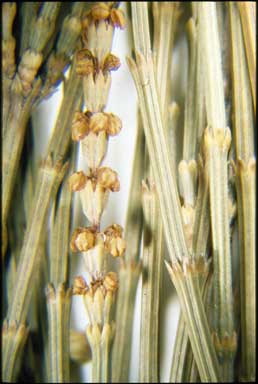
[129, 273]
[129, 269]
[216, 143]
[14, 337]
[245, 180]
[248, 17]
[29, 15]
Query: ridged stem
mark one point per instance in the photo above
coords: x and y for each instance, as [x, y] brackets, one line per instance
[128, 279]
[129, 270]
[245, 182]
[217, 142]
[186, 280]
[152, 254]
[143, 74]
[248, 17]
[58, 304]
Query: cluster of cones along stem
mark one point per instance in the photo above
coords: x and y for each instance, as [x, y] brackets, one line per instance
[92, 129]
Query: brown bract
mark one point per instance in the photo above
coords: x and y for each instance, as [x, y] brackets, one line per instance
[82, 240]
[100, 11]
[114, 243]
[105, 122]
[110, 281]
[111, 63]
[108, 179]
[104, 176]
[77, 181]
[28, 68]
[85, 62]
[79, 286]
[107, 283]
[80, 126]
[117, 18]
[55, 67]
[103, 12]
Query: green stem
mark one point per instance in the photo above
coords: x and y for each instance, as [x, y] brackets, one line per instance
[58, 303]
[245, 181]
[185, 278]
[217, 143]
[153, 244]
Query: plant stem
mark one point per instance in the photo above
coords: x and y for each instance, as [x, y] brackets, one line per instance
[130, 269]
[217, 142]
[48, 180]
[14, 338]
[248, 18]
[58, 303]
[60, 235]
[143, 74]
[22, 292]
[245, 181]
[151, 260]
[13, 142]
[153, 239]
[186, 280]
[195, 208]
[164, 33]
[21, 93]
[129, 273]
[58, 298]
[51, 175]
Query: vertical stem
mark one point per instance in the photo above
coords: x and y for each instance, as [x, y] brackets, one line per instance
[248, 18]
[129, 270]
[245, 181]
[217, 143]
[152, 255]
[58, 302]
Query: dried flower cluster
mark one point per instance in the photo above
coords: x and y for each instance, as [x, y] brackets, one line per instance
[92, 129]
